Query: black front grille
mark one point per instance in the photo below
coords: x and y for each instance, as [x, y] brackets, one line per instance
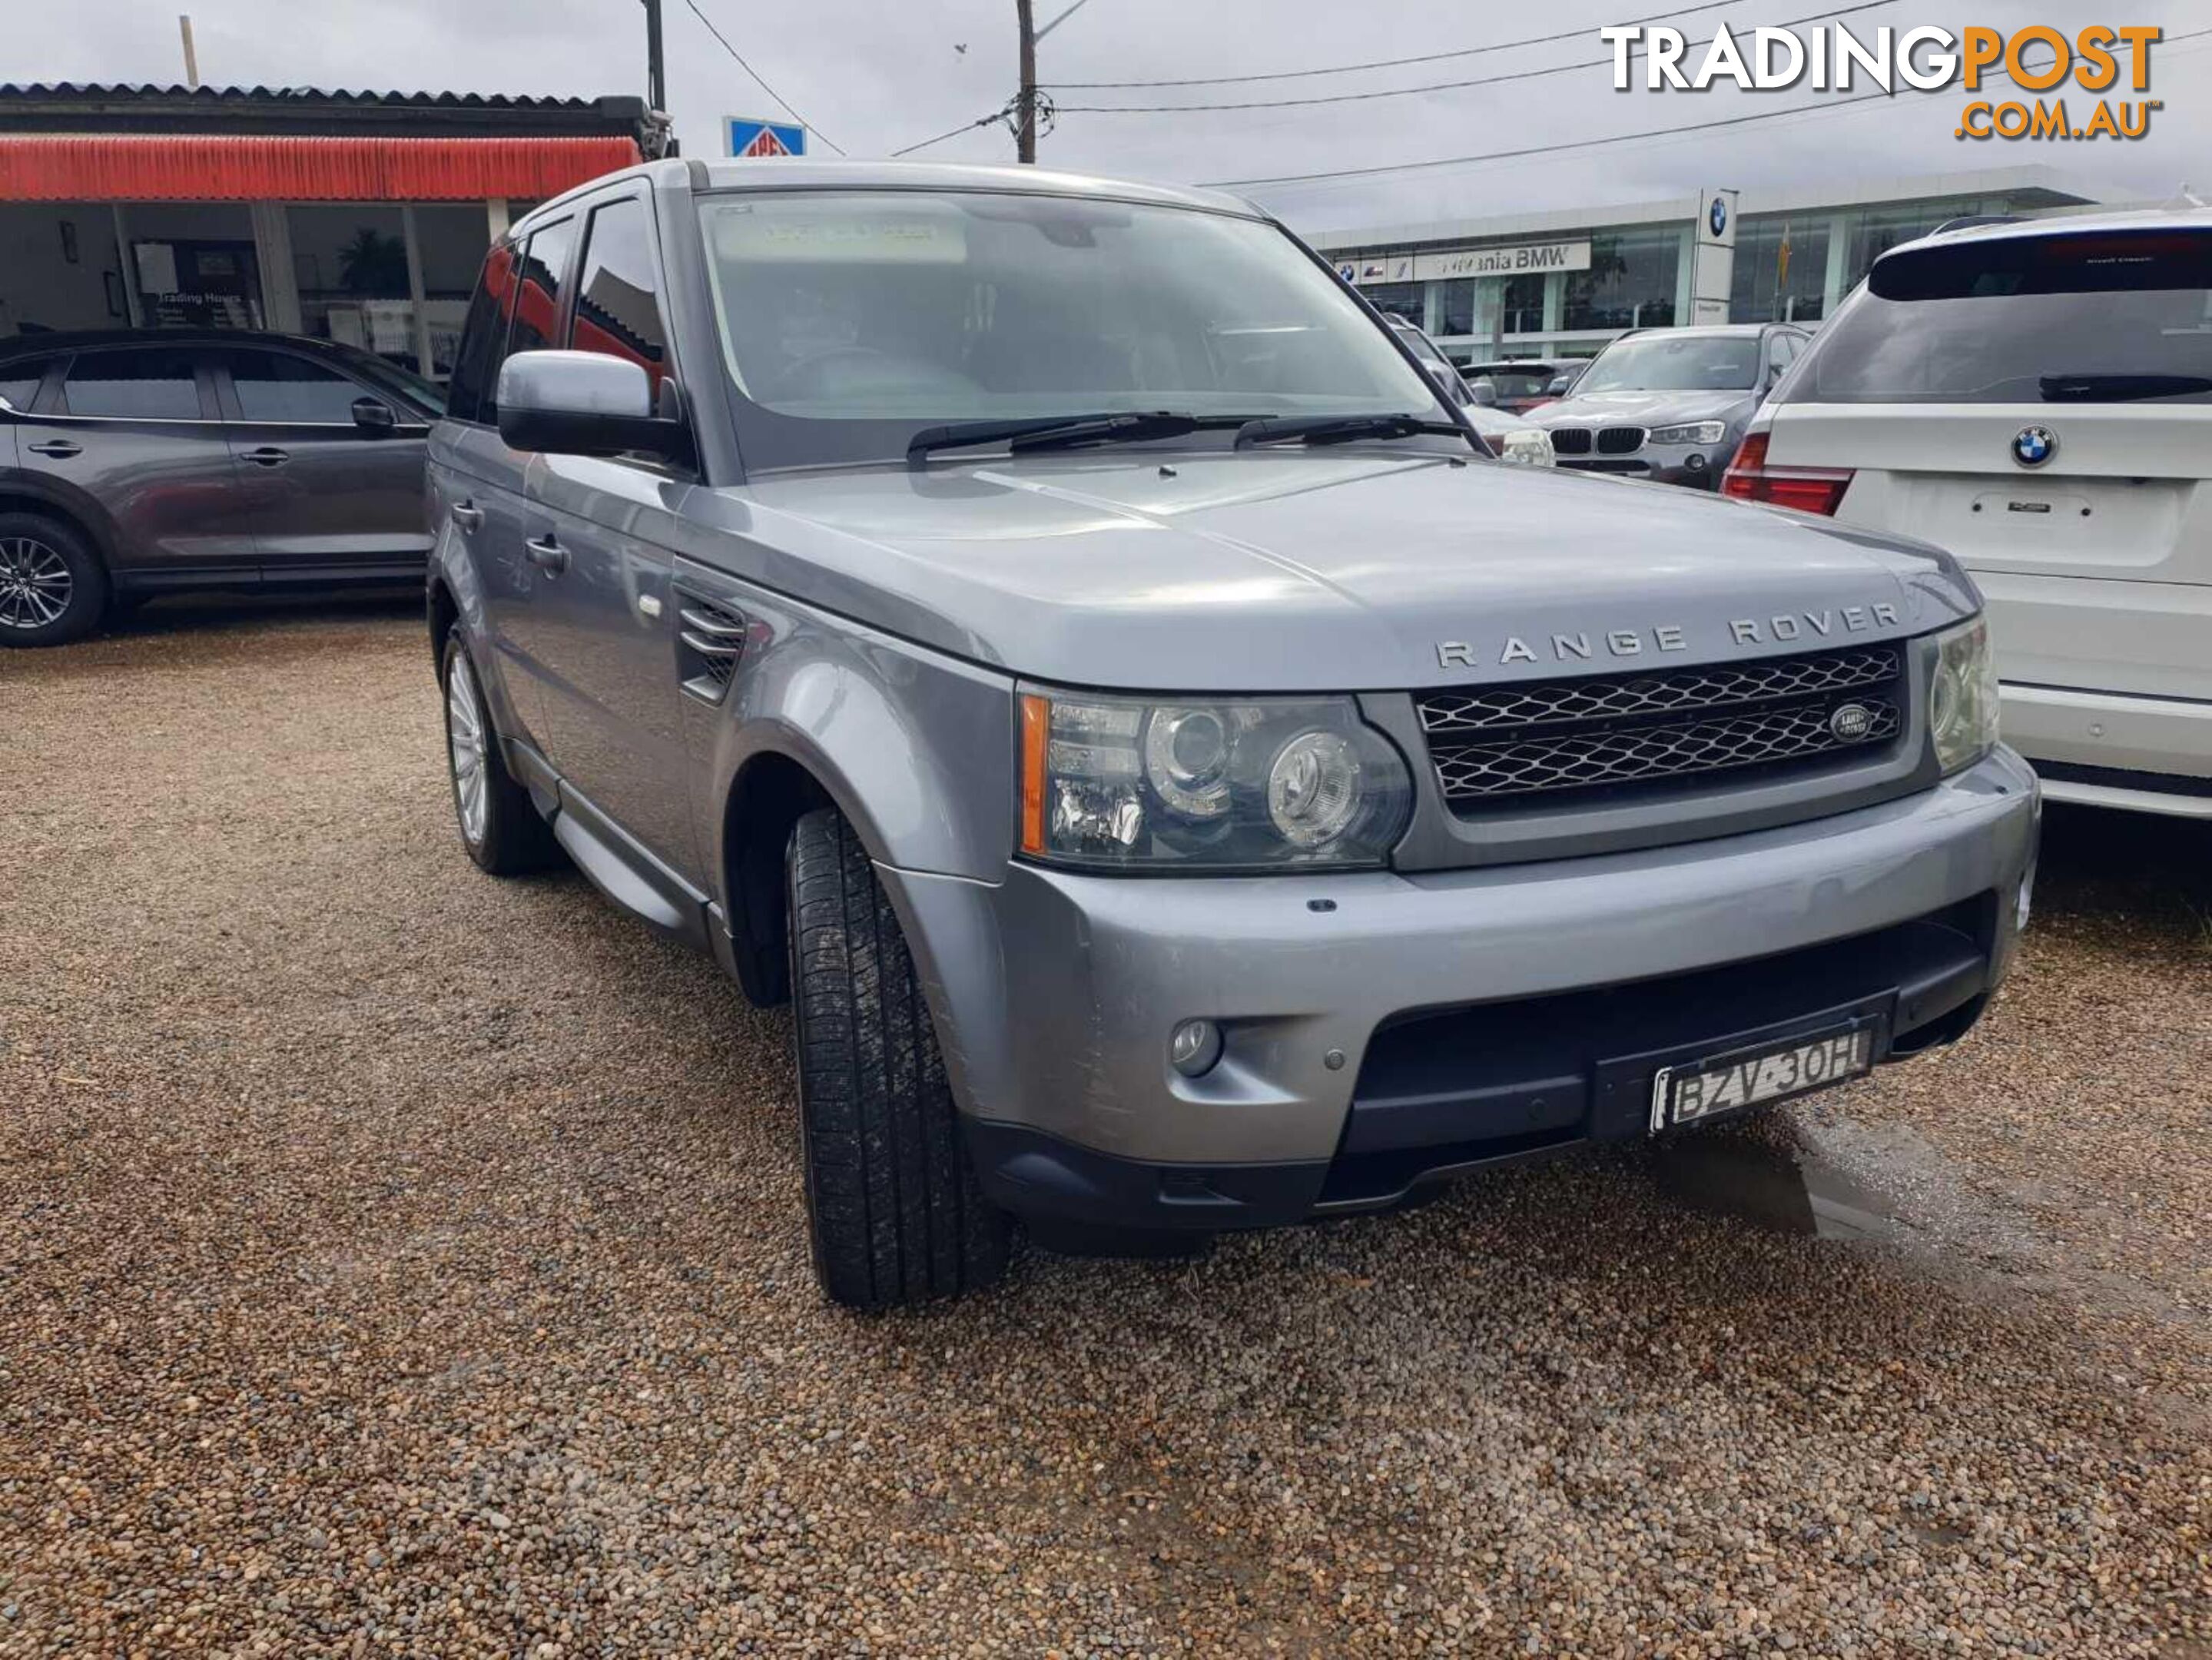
[1570, 441]
[1620, 441]
[1611, 733]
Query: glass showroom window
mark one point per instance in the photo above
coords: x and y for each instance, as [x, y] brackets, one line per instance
[451, 236]
[351, 263]
[194, 265]
[1781, 272]
[1874, 234]
[1630, 284]
[1524, 306]
[1407, 300]
[1459, 315]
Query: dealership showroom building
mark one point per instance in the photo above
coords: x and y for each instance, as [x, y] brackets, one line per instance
[1562, 284]
[359, 217]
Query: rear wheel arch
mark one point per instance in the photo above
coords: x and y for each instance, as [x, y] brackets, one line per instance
[90, 524]
[444, 611]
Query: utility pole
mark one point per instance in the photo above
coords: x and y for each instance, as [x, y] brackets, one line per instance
[191, 57]
[656, 72]
[1025, 133]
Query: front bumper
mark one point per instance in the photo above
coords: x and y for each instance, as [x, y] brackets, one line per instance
[1695, 466]
[1391, 1015]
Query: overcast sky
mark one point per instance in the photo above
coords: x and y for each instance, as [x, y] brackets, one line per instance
[876, 74]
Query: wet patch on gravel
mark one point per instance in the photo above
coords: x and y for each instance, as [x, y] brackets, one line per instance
[394, 1261]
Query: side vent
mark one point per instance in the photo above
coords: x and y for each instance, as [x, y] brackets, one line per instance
[708, 644]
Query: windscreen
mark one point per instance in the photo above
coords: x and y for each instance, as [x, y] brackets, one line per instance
[851, 320]
[2099, 317]
[1675, 363]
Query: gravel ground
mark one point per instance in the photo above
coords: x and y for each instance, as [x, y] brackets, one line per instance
[395, 1260]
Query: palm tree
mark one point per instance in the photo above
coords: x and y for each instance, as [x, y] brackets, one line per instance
[373, 264]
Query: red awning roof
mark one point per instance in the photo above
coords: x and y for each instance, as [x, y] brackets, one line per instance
[71, 168]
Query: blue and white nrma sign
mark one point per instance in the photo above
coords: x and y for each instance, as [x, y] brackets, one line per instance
[745, 135]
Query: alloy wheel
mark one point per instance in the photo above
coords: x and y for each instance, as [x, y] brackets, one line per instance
[35, 584]
[464, 734]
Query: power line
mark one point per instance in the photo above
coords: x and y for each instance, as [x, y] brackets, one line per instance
[1433, 86]
[1381, 62]
[1000, 114]
[1596, 143]
[788, 107]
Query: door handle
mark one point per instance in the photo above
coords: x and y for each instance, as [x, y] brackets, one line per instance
[468, 515]
[266, 457]
[548, 555]
[60, 448]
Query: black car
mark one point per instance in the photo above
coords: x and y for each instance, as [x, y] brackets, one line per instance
[145, 462]
[1670, 404]
[1522, 383]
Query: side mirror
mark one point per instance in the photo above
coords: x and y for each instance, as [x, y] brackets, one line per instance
[375, 415]
[1559, 386]
[1449, 382]
[583, 403]
[1485, 393]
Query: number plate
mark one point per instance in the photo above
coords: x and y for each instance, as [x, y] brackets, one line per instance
[1687, 1095]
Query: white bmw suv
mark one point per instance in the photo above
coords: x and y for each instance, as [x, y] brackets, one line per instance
[2036, 398]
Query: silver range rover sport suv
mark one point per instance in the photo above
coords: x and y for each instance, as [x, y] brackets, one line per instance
[1051, 632]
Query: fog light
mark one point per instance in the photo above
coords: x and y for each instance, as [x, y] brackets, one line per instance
[1694, 462]
[1194, 1046]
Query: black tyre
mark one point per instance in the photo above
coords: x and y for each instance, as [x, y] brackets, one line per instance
[893, 1203]
[500, 828]
[52, 587]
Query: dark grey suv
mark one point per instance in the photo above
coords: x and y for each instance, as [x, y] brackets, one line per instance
[138, 464]
[1670, 404]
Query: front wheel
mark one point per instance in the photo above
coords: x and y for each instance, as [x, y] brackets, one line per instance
[893, 1203]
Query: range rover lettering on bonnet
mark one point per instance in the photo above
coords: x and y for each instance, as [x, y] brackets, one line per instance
[1782, 629]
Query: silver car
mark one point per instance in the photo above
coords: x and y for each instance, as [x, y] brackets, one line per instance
[1050, 632]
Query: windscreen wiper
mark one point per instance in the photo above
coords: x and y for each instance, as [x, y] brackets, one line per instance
[1062, 431]
[2118, 388]
[1340, 429]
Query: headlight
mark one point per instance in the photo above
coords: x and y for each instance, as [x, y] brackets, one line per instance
[1530, 445]
[1691, 432]
[1248, 783]
[1962, 703]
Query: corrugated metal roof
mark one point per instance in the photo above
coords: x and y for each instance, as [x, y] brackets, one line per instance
[63, 91]
[201, 167]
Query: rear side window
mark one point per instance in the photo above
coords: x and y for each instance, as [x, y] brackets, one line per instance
[134, 386]
[2098, 316]
[20, 380]
[618, 299]
[272, 386]
[538, 300]
[483, 341]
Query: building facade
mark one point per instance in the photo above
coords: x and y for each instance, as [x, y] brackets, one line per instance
[1562, 284]
[361, 217]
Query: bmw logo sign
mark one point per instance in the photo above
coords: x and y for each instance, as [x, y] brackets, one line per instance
[1347, 273]
[1851, 723]
[1716, 216]
[2033, 446]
